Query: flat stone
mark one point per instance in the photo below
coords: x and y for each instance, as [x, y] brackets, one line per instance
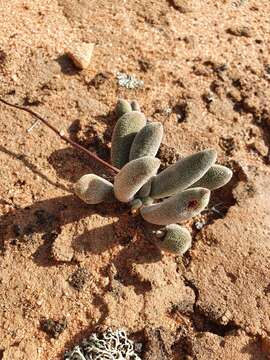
[186, 6]
[81, 54]
[240, 31]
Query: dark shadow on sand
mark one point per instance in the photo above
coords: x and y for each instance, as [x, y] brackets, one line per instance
[32, 167]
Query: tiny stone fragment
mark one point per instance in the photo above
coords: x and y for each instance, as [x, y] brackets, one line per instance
[167, 111]
[240, 31]
[3, 57]
[98, 80]
[81, 54]
[185, 6]
[200, 224]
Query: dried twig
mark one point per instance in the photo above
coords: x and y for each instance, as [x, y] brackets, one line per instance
[63, 137]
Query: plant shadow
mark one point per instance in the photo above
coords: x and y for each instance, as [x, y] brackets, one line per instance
[135, 250]
[70, 164]
[95, 241]
[47, 217]
[32, 167]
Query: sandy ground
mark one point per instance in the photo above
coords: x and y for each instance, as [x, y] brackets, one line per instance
[206, 73]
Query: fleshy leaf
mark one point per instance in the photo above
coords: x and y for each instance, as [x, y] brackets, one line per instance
[182, 174]
[124, 133]
[216, 177]
[93, 189]
[133, 176]
[176, 239]
[147, 141]
[177, 208]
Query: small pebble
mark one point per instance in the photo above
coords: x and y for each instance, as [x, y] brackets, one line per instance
[81, 54]
[39, 302]
[159, 233]
[185, 6]
[199, 224]
[240, 31]
[167, 111]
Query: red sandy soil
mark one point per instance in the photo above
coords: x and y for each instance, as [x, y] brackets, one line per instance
[209, 63]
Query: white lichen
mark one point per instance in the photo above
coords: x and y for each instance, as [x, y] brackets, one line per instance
[110, 345]
[129, 81]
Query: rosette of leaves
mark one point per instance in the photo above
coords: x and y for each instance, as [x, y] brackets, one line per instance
[171, 196]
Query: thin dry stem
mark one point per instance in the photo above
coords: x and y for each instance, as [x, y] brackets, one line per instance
[63, 137]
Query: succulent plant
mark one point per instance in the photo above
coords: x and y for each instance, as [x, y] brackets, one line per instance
[122, 107]
[186, 184]
[173, 238]
[147, 200]
[145, 189]
[147, 141]
[93, 189]
[182, 174]
[177, 208]
[124, 133]
[133, 176]
[216, 177]
[135, 205]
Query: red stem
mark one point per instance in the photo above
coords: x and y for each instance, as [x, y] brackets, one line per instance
[63, 137]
